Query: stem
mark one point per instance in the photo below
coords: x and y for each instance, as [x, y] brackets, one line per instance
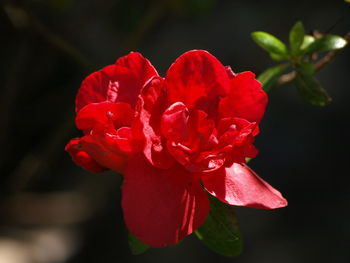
[330, 56]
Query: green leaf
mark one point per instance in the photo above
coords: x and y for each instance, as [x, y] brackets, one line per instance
[277, 57]
[137, 247]
[309, 87]
[271, 75]
[306, 69]
[296, 37]
[270, 43]
[220, 232]
[308, 40]
[326, 43]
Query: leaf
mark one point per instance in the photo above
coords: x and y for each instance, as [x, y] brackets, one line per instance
[326, 43]
[220, 232]
[308, 86]
[308, 40]
[271, 75]
[296, 37]
[277, 57]
[270, 43]
[137, 247]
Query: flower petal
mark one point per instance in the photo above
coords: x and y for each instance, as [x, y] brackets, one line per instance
[82, 158]
[96, 114]
[146, 127]
[197, 79]
[121, 82]
[174, 122]
[162, 206]
[239, 185]
[104, 156]
[246, 99]
[140, 67]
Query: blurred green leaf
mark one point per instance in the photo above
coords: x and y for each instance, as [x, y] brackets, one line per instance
[296, 37]
[277, 57]
[137, 247]
[308, 40]
[306, 69]
[270, 43]
[220, 232]
[309, 87]
[271, 75]
[326, 43]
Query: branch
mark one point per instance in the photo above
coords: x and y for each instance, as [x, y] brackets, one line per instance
[329, 57]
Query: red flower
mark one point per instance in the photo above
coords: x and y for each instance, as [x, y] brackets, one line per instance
[196, 125]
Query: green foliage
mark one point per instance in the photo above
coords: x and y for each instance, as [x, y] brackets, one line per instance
[220, 232]
[270, 43]
[309, 87]
[301, 57]
[326, 43]
[137, 247]
[271, 75]
[308, 40]
[296, 37]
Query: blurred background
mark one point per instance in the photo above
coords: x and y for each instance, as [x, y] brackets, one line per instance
[52, 211]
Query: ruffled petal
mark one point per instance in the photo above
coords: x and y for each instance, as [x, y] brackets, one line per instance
[245, 99]
[197, 79]
[162, 206]
[174, 122]
[121, 82]
[146, 127]
[239, 185]
[82, 158]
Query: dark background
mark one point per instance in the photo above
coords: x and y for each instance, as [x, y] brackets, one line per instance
[52, 211]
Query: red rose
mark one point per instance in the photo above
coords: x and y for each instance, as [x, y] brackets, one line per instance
[174, 138]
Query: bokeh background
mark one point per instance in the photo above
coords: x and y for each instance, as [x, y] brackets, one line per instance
[52, 211]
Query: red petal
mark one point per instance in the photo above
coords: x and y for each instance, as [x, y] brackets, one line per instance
[82, 158]
[121, 82]
[104, 156]
[239, 185]
[149, 110]
[139, 66]
[162, 206]
[95, 114]
[197, 79]
[246, 99]
[174, 122]
[94, 88]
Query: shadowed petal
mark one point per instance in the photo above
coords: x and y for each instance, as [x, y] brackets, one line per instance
[105, 157]
[162, 206]
[82, 158]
